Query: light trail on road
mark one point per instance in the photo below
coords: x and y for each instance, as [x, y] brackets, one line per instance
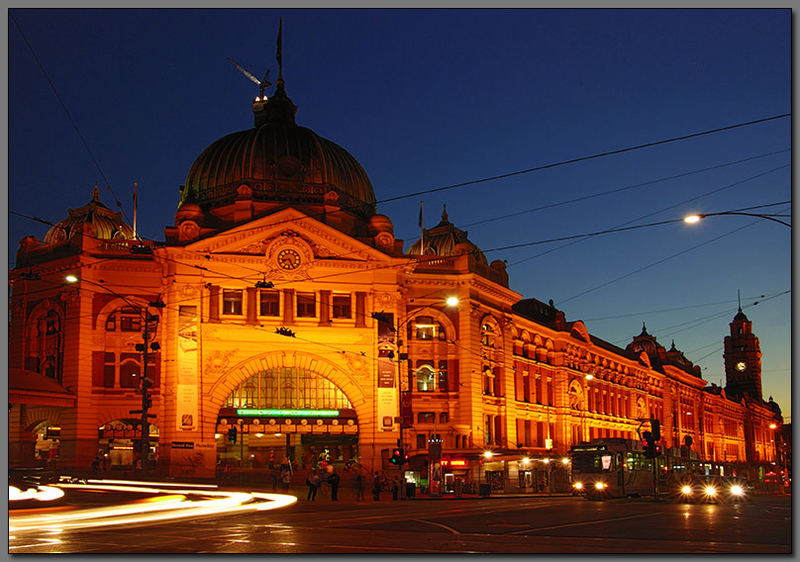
[167, 501]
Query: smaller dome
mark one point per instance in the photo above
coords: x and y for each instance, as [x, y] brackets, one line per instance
[445, 239]
[189, 211]
[102, 223]
[740, 317]
[381, 223]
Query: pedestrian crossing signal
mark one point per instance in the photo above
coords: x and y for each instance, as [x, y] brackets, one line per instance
[232, 434]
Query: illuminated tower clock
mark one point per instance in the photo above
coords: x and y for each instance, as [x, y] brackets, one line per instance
[742, 359]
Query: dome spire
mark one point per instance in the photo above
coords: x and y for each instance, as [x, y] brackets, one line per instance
[278, 56]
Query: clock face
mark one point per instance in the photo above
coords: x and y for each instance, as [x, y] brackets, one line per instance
[741, 366]
[288, 259]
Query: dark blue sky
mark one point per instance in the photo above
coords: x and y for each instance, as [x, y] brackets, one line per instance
[429, 98]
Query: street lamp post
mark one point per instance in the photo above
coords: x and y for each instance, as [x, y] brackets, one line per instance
[146, 383]
[450, 301]
[691, 219]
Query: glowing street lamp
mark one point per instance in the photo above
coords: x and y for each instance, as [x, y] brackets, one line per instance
[146, 383]
[695, 218]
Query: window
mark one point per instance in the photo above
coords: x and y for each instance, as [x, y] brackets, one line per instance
[442, 382]
[306, 305]
[341, 306]
[269, 303]
[443, 417]
[426, 379]
[129, 370]
[130, 320]
[425, 328]
[109, 370]
[232, 301]
[422, 441]
[487, 335]
[426, 417]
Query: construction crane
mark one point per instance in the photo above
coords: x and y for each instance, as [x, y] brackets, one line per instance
[261, 83]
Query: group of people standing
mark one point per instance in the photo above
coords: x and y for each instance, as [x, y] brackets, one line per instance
[317, 477]
[329, 475]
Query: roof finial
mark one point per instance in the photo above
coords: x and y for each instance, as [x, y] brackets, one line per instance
[96, 192]
[739, 296]
[278, 53]
[444, 212]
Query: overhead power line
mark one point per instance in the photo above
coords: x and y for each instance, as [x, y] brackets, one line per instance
[585, 158]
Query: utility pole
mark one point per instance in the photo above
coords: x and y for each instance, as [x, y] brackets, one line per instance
[146, 382]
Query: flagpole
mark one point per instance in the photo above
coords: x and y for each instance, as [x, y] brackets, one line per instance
[421, 232]
[135, 185]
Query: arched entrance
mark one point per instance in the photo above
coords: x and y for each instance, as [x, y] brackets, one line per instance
[47, 447]
[285, 412]
[118, 444]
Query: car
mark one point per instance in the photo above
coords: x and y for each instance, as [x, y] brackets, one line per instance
[709, 489]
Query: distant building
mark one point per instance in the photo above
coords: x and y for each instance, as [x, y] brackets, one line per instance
[279, 313]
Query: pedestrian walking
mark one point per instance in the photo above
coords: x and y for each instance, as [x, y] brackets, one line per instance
[395, 488]
[333, 481]
[376, 487]
[313, 482]
[359, 486]
[286, 477]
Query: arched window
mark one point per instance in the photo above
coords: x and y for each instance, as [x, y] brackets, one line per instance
[288, 388]
[426, 379]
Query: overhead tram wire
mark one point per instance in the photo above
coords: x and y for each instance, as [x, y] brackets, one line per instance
[640, 314]
[639, 270]
[690, 324]
[552, 165]
[668, 207]
[621, 189]
[69, 115]
[585, 158]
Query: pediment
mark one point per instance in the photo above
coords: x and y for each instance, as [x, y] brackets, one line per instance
[289, 228]
[580, 332]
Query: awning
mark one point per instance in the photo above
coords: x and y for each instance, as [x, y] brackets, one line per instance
[30, 387]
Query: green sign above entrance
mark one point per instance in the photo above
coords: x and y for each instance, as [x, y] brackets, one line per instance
[310, 413]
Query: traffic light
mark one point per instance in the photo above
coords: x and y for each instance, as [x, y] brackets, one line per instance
[398, 456]
[648, 445]
[232, 434]
[147, 402]
[655, 425]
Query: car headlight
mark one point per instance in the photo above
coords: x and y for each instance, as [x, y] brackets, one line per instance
[710, 491]
[600, 485]
[578, 485]
[686, 490]
[737, 490]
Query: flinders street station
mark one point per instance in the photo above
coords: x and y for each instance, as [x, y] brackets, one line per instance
[280, 321]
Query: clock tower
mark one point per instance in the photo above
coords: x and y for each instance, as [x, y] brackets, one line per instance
[742, 359]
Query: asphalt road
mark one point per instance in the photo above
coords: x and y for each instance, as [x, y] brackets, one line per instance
[549, 525]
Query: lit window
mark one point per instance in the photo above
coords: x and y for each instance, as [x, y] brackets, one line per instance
[306, 305]
[425, 328]
[426, 417]
[426, 380]
[269, 303]
[341, 306]
[232, 301]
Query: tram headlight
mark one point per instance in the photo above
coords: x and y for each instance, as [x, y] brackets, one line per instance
[578, 485]
[686, 490]
[600, 485]
[737, 490]
[710, 491]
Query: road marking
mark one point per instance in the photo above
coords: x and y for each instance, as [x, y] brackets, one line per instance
[580, 523]
[442, 525]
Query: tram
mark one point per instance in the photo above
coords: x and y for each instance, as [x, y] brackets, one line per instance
[611, 468]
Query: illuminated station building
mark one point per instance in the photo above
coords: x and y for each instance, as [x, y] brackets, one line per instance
[281, 312]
